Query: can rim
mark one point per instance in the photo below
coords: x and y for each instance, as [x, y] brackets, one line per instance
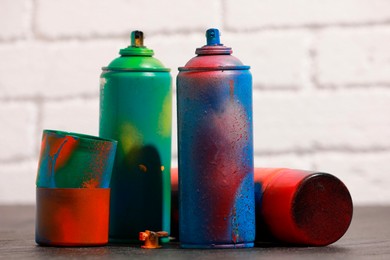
[221, 68]
[137, 69]
[83, 137]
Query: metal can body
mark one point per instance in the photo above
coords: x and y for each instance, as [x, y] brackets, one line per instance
[135, 110]
[74, 160]
[215, 144]
[301, 207]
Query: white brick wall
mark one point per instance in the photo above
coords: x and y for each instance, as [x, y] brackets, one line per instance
[254, 14]
[15, 19]
[75, 115]
[19, 184]
[51, 69]
[354, 56]
[324, 120]
[18, 128]
[88, 18]
[321, 74]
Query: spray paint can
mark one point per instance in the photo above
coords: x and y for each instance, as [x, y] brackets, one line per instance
[215, 149]
[135, 110]
[301, 207]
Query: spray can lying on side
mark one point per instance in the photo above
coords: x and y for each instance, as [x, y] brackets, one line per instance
[301, 207]
[135, 110]
[215, 149]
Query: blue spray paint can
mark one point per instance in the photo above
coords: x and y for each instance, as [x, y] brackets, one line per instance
[215, 149]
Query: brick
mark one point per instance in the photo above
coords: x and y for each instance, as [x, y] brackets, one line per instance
[78, 115]
[277, 59]
[254, 14]
[54, 69]
[118, 17]
[329, 120]
[15, 19]
[365, 174]
[354, 56]
[17, 130]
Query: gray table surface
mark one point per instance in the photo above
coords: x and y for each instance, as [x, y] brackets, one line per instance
[367, 238]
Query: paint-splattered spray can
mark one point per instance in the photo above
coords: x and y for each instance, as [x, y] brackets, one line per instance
[135, 110]
[215, 149]
[301, 207]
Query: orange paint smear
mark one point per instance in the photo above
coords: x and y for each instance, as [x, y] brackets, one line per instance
[61, 146]
[72, 217]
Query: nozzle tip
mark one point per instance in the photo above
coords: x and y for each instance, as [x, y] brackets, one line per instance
[137, 39]
[212, 36]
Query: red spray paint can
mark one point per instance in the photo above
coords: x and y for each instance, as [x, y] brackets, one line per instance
[301, 207]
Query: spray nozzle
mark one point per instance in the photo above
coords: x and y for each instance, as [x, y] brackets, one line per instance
[137, 39]
[212, 36]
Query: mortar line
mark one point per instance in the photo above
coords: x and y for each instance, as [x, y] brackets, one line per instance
[311, 26]
[34, 98]
[316, 151]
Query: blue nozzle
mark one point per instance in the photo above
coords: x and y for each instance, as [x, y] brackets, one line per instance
[212, 36]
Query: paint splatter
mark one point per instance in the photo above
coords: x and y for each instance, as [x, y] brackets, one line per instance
[165, 117]
[143, 168]
[231, 89]
[91, 183]
[74, 161]
[129, 137]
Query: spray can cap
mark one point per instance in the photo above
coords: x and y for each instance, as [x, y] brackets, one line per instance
[136, 48]
[136, 57]
[214, 56]
[214, 45]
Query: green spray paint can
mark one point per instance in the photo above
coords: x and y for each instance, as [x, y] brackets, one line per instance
[135, 110]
